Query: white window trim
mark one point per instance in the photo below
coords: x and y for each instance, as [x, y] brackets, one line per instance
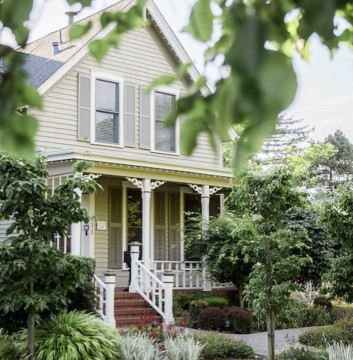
[111, 78]
[176, 93]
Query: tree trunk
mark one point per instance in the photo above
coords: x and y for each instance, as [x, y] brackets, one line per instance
[271, 333]
[31, 328]
[241, 299]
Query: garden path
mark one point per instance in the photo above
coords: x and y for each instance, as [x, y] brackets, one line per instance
[258, 341]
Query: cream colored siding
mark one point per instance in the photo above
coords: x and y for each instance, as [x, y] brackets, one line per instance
[140, 58]
[3, 227]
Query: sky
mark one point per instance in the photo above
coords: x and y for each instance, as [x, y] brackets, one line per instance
[325, 86]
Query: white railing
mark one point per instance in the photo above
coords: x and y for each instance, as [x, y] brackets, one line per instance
[62, 243]
[100, 296]
[150, 288]
[157, 292]
[105, 297]
[187, 274]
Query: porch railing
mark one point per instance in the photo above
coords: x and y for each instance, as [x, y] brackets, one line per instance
[187, 274]
[157, 292]
[105, 297]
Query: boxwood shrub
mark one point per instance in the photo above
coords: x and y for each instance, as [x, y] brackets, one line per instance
[321, 337]
[219, 347]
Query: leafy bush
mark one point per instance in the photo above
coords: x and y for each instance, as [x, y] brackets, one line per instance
[8, 350]
[196, 307]
[81, 297]
[138, 347]
[219, 347]
[240, 319]
[184, 300]
[322, 301]
[294, 315]
[183, 347]
[298, 353]
[216, 301]
[322, 336]
[75, 336]
[211, 318]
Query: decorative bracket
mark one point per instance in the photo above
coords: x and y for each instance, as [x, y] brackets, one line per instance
[136, 182]
[141, 184]
[214, 189]
[199, 189]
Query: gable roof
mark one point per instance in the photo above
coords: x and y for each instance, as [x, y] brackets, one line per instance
[45, 68]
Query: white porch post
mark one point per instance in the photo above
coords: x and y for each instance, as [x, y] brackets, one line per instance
[134, 253]
[146, 221]
[76, 232]
[205, 210]
[168, 280]
[109, 297]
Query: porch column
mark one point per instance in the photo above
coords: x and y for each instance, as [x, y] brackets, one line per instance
[76, 232]
[146, 221]
[205, 212]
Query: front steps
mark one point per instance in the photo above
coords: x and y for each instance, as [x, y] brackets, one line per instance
[130, 310]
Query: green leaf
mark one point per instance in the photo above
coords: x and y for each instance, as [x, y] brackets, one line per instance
[77, 30]
[162, 80]
[14, 16]
[201, 21]
[98, 48]
[82, 2]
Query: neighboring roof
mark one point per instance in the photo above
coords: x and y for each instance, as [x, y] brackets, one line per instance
[40, 61]
[45, 69]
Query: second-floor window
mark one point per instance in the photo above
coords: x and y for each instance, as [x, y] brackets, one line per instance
[107, 123]
[165, 137]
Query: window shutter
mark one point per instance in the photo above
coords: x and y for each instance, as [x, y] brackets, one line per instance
[174, 229]
[130, 115]
[115, 235]
[160, 226]
[145, 120]
[84, 107]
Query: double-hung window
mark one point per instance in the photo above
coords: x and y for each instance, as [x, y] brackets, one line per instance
[165, 138]
[107, 112]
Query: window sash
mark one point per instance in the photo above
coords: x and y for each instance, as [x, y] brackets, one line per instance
[107, 114]
[164, 137]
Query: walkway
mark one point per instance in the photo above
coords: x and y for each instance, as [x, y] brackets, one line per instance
[258, 341]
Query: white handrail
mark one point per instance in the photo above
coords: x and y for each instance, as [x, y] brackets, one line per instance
[101, 295]
[188, 274]
[152, 289]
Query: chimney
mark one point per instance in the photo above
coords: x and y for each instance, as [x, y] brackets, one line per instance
[55, 47]
[71, 15]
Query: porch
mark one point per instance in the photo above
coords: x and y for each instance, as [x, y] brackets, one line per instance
[150, 212]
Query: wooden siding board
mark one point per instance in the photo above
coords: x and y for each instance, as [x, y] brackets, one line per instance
[139, 59]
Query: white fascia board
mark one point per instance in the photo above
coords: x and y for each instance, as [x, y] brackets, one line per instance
[174, 42]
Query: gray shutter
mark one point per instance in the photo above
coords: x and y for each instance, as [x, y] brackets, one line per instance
[130, 115]
[160, 226]
[84, 107]
[174, 226]
[115, 233]
[145, 120]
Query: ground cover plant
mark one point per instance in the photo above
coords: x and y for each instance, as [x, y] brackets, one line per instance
[300, 353]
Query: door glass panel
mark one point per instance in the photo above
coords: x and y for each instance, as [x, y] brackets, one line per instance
[134, 215]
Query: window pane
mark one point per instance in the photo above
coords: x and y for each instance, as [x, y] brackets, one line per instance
[164, 137]
[107, 127]
[107, 96]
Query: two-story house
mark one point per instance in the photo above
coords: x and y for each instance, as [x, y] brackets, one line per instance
[100, 112]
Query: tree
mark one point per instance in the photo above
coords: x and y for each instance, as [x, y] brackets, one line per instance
[263, 202]
[219, 249]
[257, 42]
[339, 167]
[291, 137]
[338, 217]
[34, 277]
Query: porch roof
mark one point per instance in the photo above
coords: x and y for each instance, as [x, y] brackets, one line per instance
[61, 161]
